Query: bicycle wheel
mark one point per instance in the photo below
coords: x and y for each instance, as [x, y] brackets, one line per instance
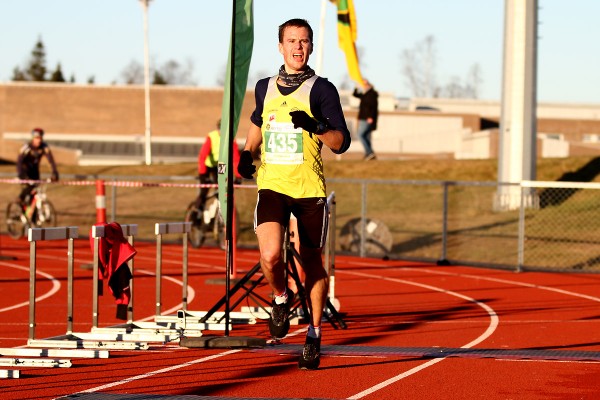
[197, 234]
[47, 217]
[15, 220]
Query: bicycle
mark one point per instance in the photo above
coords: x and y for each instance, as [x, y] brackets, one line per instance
[37, 214]
[208, 222]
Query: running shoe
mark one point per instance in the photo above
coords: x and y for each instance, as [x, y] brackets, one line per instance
[311, 354]
[279, 324]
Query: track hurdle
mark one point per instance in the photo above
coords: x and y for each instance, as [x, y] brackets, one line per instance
[35, 235]
[161, 229]
[184, 319]
[144, 331]
[329, 251]
[70, 340]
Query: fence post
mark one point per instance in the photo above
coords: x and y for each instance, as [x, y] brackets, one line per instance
[363, 219]
[113, 201]
[444, 260]
[521, 244]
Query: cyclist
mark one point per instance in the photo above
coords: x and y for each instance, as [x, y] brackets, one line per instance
[208, 158]
[28, 164]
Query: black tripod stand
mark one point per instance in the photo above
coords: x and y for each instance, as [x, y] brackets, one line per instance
[290, 254]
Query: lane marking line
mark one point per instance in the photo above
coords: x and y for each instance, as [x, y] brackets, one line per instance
[160, 371]
[494, 320]
[55, 286]
[510, 282]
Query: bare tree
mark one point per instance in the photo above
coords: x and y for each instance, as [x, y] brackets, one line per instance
[474, 81]
[173, 73]
[418, 66]
[133, 73]
[169, 73]
[467, 90]
[454, 89]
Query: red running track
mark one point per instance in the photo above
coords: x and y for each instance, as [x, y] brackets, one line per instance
[415, 330]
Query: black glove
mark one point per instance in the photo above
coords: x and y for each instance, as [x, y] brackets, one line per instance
[303, 120]
[54, 177]
[245, 166]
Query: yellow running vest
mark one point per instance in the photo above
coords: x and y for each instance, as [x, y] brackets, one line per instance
[291, 158]
[215, 141]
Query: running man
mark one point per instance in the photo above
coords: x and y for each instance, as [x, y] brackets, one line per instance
[297, 112]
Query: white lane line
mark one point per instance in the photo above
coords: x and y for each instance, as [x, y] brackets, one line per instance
[550, 361]
[172, 368]
[508, 282]
[488, 332]
[160, 371]
[55, 286]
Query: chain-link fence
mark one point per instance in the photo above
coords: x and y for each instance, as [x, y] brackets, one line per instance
[532, 225]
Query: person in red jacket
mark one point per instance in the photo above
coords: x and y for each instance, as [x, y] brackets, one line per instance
[208, 160]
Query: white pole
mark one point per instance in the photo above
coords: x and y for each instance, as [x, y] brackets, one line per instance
[148, 134]
[320, 45]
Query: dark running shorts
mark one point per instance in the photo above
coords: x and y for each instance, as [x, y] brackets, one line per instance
[312, 214]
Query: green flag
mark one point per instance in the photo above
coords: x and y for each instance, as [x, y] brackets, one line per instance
[236, 80]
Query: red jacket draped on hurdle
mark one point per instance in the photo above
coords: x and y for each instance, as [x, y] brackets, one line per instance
[113, 253]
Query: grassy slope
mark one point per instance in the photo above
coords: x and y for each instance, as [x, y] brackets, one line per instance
[426, 169]
[412, 213]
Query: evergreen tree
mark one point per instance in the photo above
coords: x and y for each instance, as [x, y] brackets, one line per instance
[36, 69]
[159, 79]
[57, 75]
[18, 75]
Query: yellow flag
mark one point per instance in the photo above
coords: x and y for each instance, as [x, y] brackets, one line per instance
[347, 36]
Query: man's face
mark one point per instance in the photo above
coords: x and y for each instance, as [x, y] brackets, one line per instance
[36, 141]
[295, 48]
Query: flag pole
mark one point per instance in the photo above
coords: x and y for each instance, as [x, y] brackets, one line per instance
[228, 104]
[320, 45]
[228, 236]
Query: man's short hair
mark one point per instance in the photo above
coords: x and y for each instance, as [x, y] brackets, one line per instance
[298, 23]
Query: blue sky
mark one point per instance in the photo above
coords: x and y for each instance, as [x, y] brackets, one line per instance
[101, 37]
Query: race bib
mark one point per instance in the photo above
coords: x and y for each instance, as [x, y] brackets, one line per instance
[283, 144]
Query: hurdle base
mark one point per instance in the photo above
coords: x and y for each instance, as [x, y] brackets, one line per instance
[222, 342]
[86, 341]
[10, 373]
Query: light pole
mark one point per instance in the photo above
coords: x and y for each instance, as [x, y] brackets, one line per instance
[148, 134]
[320, 43]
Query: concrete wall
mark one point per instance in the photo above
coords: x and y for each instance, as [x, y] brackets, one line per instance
[184, 113]
[116, 110]
[492, 108]
[423, 133]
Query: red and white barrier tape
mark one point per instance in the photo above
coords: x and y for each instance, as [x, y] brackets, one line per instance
[122, 183]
